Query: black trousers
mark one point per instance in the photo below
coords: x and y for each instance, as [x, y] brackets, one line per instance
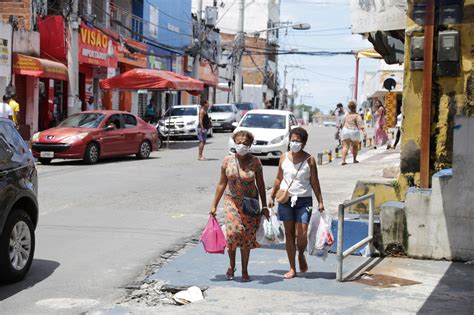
[397, 137]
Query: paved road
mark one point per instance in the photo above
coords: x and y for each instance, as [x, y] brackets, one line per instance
[101, 225]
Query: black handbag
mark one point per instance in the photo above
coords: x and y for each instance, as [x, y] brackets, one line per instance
[250, 205]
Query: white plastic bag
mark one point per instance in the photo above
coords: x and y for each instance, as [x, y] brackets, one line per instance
[313, 229]
[324, 237]
[272, 233]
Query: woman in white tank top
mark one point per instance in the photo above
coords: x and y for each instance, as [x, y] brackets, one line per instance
[298, 175]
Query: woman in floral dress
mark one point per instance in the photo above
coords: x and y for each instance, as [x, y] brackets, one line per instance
[239, 174]
[381, 137]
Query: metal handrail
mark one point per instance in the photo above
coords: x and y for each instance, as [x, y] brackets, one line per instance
[341, 254]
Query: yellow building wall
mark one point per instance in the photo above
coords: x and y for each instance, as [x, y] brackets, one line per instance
[450, 96]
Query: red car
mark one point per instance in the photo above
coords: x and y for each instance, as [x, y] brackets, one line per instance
[96, 134]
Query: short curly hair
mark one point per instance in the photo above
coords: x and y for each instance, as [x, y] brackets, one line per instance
[243, 133]
[300, 132]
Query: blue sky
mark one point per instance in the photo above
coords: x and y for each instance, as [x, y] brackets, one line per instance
[329, 77]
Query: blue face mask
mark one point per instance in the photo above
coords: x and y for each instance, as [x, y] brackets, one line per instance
[296, 146]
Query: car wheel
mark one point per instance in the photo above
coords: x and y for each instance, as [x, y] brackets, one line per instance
[92, 153]
[17, 246]
[44, 161]
[144, 151]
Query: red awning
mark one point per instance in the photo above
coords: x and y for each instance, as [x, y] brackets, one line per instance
[148, 79]
[37, 67]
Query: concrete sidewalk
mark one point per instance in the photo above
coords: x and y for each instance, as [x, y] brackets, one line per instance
[437, 286]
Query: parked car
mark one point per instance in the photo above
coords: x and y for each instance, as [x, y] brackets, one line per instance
[181, 122]
[18, 204]
[92, 135]
[245, 107]
[271, 130]
[223, 116]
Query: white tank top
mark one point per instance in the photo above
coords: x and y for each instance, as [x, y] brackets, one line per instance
[301, 186]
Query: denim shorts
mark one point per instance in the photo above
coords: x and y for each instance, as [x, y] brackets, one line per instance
[299, 213]
[202, 135]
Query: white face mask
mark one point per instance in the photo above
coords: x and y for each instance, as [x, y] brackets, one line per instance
[295, 146]
[242, 149]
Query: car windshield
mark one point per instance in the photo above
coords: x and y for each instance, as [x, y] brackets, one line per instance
[244, 106]
[85, 120]
[183, 111]
[267, 121]
[220, 109]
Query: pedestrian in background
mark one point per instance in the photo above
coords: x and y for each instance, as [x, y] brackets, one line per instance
[381, 137]
[368, 118]
[150, 112]
[5, 109]
[90, 104]
[399, 129]
[298, 176]
[15, 108]
[339, 113]
[350, 134]
[203, 127]
[241, 175]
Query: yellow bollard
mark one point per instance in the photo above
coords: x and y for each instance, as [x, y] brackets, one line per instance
[370, 142]
[330, 156]
[336, 150]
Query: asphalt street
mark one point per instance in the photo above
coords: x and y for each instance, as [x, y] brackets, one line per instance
[101, 225]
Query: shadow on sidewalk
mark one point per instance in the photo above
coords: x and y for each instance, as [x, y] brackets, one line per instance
[308, 275]
[454, 292]
[266, 279]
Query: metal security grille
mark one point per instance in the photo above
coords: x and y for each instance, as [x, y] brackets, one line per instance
[142, 102]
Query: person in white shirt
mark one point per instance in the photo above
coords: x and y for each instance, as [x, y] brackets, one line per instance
[90, 104]
[340, 114]
[5, 109]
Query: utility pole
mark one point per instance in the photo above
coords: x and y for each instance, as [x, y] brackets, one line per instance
[73, 59]
[197, 42]
[285, 72]
[240, 42]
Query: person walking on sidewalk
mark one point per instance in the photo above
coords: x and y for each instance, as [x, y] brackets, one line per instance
[298, 176]
[350, 134]
[241, 176]
[399, 129]
[381, 137]
[203, 127]
[340, 114]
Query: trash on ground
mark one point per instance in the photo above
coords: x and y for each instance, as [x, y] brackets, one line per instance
[191, 295]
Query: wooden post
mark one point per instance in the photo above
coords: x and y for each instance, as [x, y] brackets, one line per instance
[426, 100]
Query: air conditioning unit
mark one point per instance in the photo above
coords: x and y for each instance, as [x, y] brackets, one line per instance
[211, 16]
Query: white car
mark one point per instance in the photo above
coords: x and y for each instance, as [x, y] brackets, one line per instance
[224, 115]
[181, 122]
[270, 129]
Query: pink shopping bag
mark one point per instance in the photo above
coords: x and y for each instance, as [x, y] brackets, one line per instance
[212, 238]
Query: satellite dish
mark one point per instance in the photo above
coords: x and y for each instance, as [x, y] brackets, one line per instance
[389, 84]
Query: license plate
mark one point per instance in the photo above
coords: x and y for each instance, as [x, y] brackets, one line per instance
[216, 124]
[256, 150]
[47, 154]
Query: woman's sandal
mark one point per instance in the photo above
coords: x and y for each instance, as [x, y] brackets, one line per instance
[230, 273]
[355, 161]
[343, 163]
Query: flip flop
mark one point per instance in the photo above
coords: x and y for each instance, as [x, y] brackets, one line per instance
[230, 273]
[246, 278]
[286, 276]
[343, 163]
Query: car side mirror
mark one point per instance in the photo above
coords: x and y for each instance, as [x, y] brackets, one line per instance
[293, 127]
[235, 124]
[110, 128]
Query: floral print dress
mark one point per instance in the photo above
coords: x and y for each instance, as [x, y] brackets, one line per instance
[241, 229]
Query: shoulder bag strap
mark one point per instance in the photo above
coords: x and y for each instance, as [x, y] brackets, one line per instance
[299, 168]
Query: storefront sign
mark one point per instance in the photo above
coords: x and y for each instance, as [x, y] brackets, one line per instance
[37, 67]
[95, 48]
[159, 59]
[136, 57]
[4, 54]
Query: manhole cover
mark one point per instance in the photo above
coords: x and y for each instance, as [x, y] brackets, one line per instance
[384, 281]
